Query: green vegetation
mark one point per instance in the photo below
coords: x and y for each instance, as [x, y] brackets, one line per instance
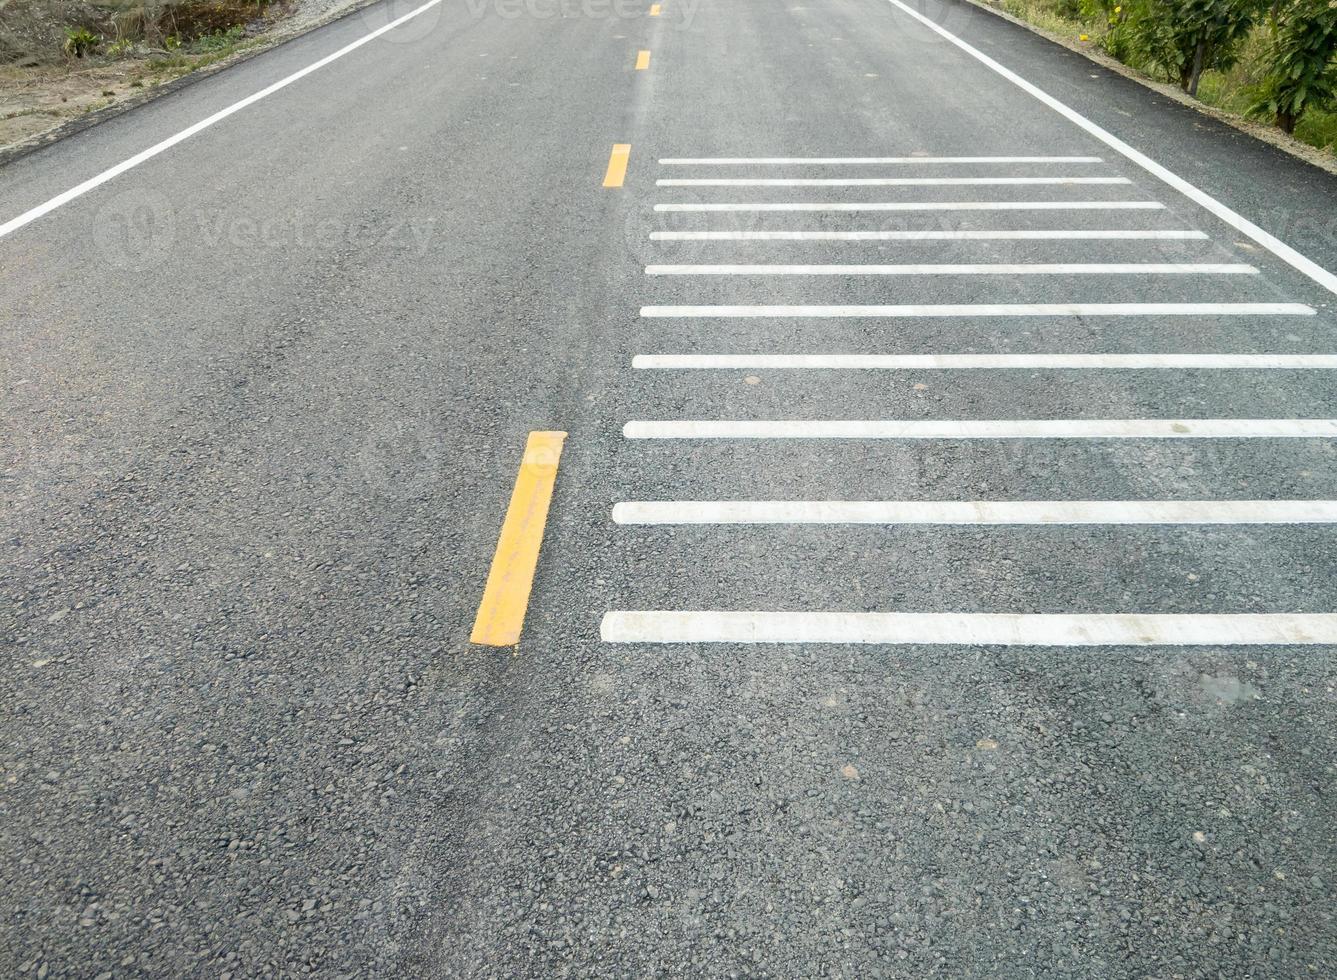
[1273, 60]
[80, 41]
[40, 33]
[1302, 58]
[217, 41]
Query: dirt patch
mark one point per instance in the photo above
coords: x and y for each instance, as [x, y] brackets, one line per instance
[64, 60]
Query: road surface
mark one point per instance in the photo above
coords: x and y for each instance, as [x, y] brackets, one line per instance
[942, 587]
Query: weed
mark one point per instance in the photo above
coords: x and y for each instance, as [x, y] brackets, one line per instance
[80, 41]
[217, 41]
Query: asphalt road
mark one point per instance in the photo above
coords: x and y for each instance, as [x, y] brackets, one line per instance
[264, 397]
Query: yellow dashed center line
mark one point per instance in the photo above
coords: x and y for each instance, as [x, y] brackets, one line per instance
[501, 614]
[654, 10]
[617, 165]
[642, 60]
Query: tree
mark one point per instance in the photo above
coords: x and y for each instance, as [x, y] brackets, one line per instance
[1301, 60]
[1188, 37]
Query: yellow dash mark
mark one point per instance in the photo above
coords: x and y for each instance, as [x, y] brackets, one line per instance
[654, 10]
[642, 60]
[617, 165]
[501, 614]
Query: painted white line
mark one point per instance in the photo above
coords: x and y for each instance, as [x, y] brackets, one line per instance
[79, 190]
[976, 512]
[970, 629]
[956, 362]
[918, 236]
[1241, 224]
[986, 309]
[824, 161]
[878, 181]
[984, 429]
[996, 269]
[918, 206]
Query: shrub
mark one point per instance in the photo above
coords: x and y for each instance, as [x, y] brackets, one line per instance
[80, 41]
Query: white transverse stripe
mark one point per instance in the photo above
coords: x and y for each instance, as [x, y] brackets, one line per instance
[80, 189]
[953, 362]
[878, 181]
[749, 161]
[918, 206]
[976, 512]
[1236, 221]
[987, 269]
[916, 236]
[983, 429]
[972, 629]
[989, 309]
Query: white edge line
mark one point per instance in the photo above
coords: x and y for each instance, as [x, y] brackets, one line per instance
[880, 181]
[914, 236]
[957, 362]
[975, 269]
[1277, 247]
[976, 512]
[80, 189]
[981, 429]
[972, 629]
[988, 309]
[748, 161]
[917, 206]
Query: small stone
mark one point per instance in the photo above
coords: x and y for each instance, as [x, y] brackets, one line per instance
[849, 772]
[58, 615]
[752, 379]
[1199, 836]
[987, 744]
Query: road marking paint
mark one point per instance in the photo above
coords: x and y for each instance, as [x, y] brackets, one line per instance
[878, 181]
[825, 161]
[995, 269]
[976, 512]
[642, 60]
[617, 165]
[956, 362]
[990, 309]
[983, 429]
[501, 613]
[1277, 247]
[112, 172]
[970, 629]
[919, 236]
[654, 10]
[917, 206]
